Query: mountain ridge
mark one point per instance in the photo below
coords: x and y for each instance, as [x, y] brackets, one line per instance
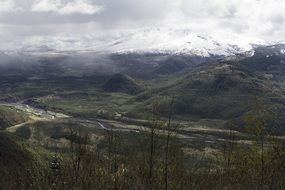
[181, 41]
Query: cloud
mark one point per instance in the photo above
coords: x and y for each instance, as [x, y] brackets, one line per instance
[104, 19]
[8, 6]
[66, 8]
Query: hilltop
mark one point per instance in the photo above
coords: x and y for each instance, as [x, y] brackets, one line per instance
[122, 83]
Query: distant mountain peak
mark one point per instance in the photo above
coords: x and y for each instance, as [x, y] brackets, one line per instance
[176, 42]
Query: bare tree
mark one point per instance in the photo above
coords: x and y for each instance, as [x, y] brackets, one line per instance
[169, 130]
[154, 126]
[258, 121]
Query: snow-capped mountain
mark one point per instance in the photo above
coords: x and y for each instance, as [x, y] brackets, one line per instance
[175, 42]
[153, 40]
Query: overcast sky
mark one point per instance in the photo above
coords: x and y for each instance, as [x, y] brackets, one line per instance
[31, 20]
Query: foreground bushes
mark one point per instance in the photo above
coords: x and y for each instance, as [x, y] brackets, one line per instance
[154, 159]
[120, 163]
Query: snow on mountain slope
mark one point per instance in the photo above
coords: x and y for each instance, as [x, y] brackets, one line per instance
[175, 42]
[153, 40]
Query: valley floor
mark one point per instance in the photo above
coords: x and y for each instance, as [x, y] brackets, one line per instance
[192, 135]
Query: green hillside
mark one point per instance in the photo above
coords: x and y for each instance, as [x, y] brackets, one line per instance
[19, 162]
[10, 116]
[217, 91]
[122, 83]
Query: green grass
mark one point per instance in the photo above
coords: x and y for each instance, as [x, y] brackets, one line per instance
[92, 105]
